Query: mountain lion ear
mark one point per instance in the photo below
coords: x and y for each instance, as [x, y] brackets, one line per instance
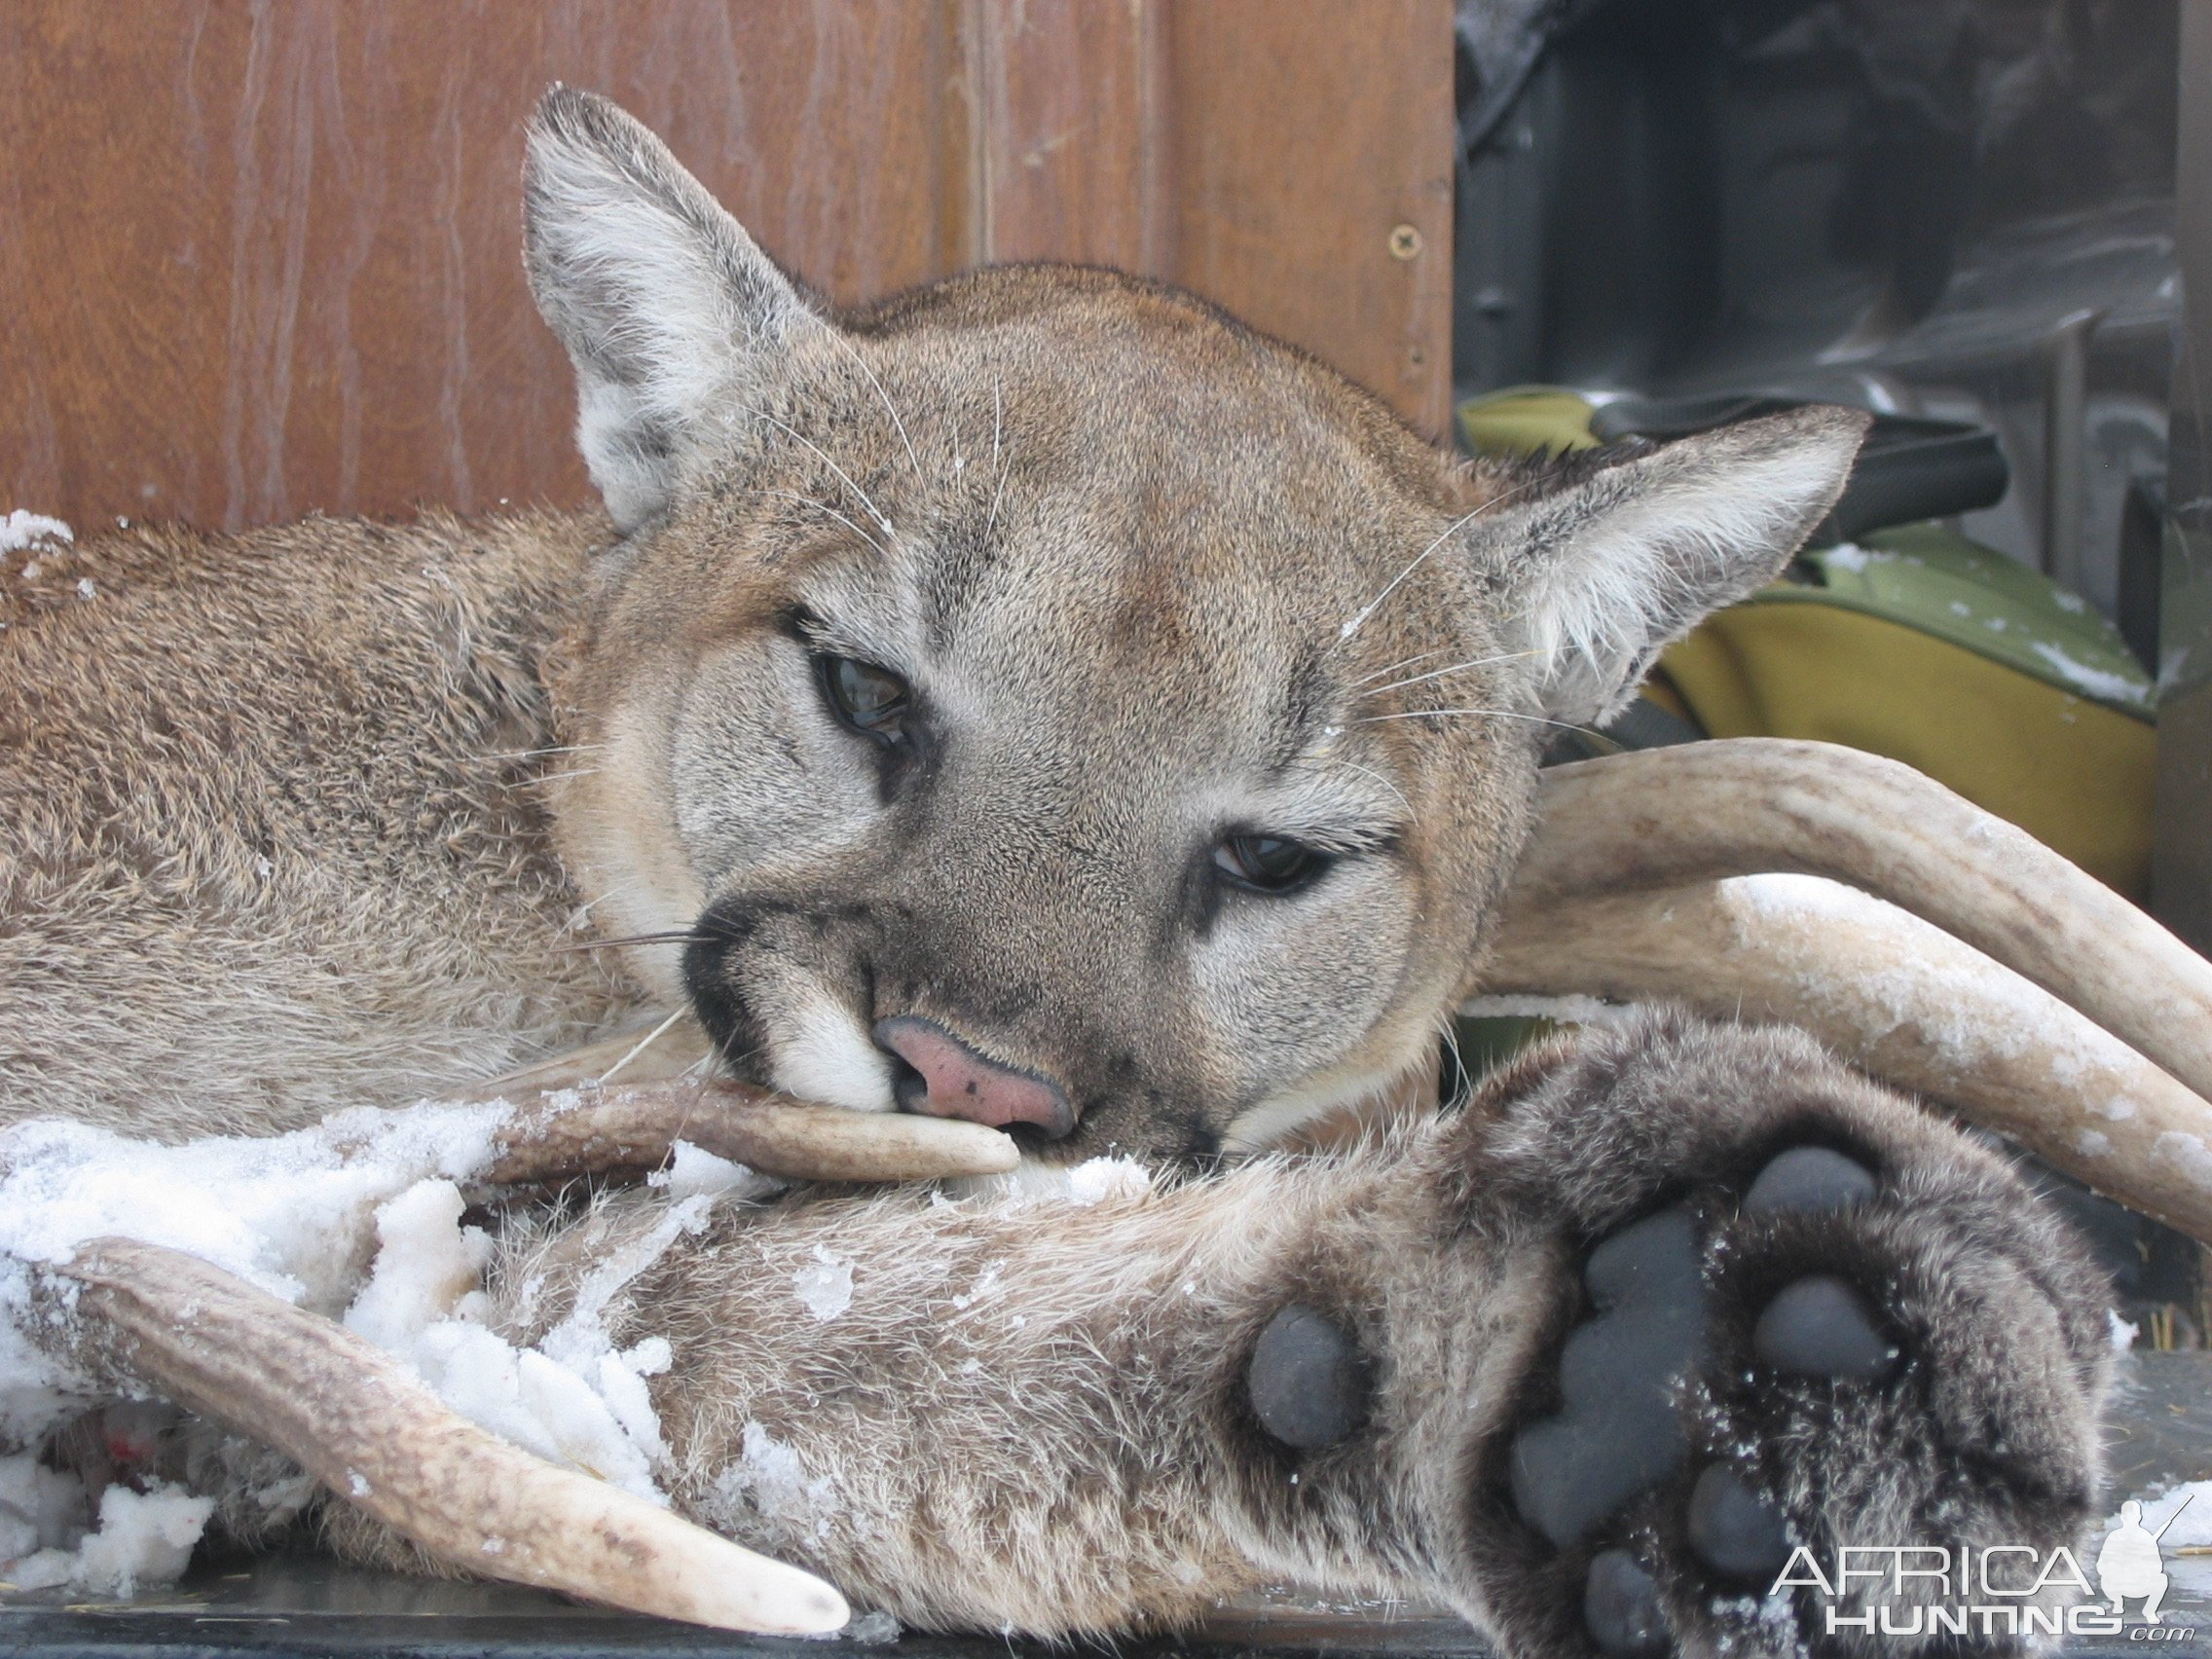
[665, 304]
[1599, 577]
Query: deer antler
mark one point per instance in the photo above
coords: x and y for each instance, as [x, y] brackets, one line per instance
[1896, 995]
[1756, 805]
[354, 1418]
[579, 1133]
[577, 1123]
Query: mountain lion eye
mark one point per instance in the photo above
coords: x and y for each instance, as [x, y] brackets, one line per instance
[1267, 864]
[869, 699]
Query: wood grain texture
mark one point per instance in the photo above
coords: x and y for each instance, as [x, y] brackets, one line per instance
[262, 259]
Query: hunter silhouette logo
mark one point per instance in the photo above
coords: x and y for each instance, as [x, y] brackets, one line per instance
[2131, 1564]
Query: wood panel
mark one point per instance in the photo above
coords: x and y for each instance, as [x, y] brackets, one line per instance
[262, 258]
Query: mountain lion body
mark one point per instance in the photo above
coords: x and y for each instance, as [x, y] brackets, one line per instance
[1042, 699]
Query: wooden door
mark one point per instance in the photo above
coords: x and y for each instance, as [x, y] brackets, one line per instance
[262, 259]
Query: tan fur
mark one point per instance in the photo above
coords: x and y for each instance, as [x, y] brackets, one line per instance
[275, 824]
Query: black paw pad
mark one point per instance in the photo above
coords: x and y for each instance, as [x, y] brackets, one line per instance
[1821, 1327]
[1734, 1531]
[1617, 1434]
[1620, 1607]
[1810, 1178]
[1307, 1382]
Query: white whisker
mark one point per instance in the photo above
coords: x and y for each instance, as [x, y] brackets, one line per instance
[648, 1040]
[826, 507]
[1370, 772]
[1439, 714]
[1440, 672]
[534, 754]
[846, 346]
[998, 410]
[1402, 662]
[874, 512]
[1451, 529]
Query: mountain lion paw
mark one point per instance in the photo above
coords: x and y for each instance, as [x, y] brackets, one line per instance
[1827, 1319]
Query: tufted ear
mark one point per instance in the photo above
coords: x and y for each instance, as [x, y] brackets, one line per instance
[666, 306]
[1597, 578]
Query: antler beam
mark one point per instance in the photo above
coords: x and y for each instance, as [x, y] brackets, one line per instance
[571, 1132]
[1702, 811]
[1895, 995]
[359, 1423]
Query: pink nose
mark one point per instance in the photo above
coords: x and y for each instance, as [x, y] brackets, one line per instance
[948, 1079]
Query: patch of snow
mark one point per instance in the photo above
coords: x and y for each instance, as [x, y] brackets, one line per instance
[2093, 682]
[428, 1267]
[871, 1629]
[2071, 602]
[2123, 1334]
[40, 1509]
[984, 1284]
[297, 1215]
[826, 1288]
[2189, 1153]
[142, 1537]
[770, 1478]
[1850, 556]
[695, 1173]
[1102, 1178]
[21, 530]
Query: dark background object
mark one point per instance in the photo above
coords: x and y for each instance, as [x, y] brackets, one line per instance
[1959, 209]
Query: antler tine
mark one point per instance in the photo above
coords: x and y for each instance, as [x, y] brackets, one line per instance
[573, 1124]
[578, 1132]
[1895, 995]
[1744, 806]
[356, 1421]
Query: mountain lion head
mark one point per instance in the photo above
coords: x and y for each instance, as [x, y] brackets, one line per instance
[1042, 699]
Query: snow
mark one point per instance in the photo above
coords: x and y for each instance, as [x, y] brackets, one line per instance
[1965, 1015]
[771, 1479]
[1850, 556]
[1102, 1178]
[2091, 681]
[2123, 1334]
[21, 530]
[299, 1215]
[143, 1538]
[695, 1173]
[825, 1289]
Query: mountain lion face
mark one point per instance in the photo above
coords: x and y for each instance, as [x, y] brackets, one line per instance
[1042, 700]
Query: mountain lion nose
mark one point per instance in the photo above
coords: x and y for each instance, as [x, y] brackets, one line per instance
[947, 1079]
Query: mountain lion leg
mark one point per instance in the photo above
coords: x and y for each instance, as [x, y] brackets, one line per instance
[1586, 1361]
